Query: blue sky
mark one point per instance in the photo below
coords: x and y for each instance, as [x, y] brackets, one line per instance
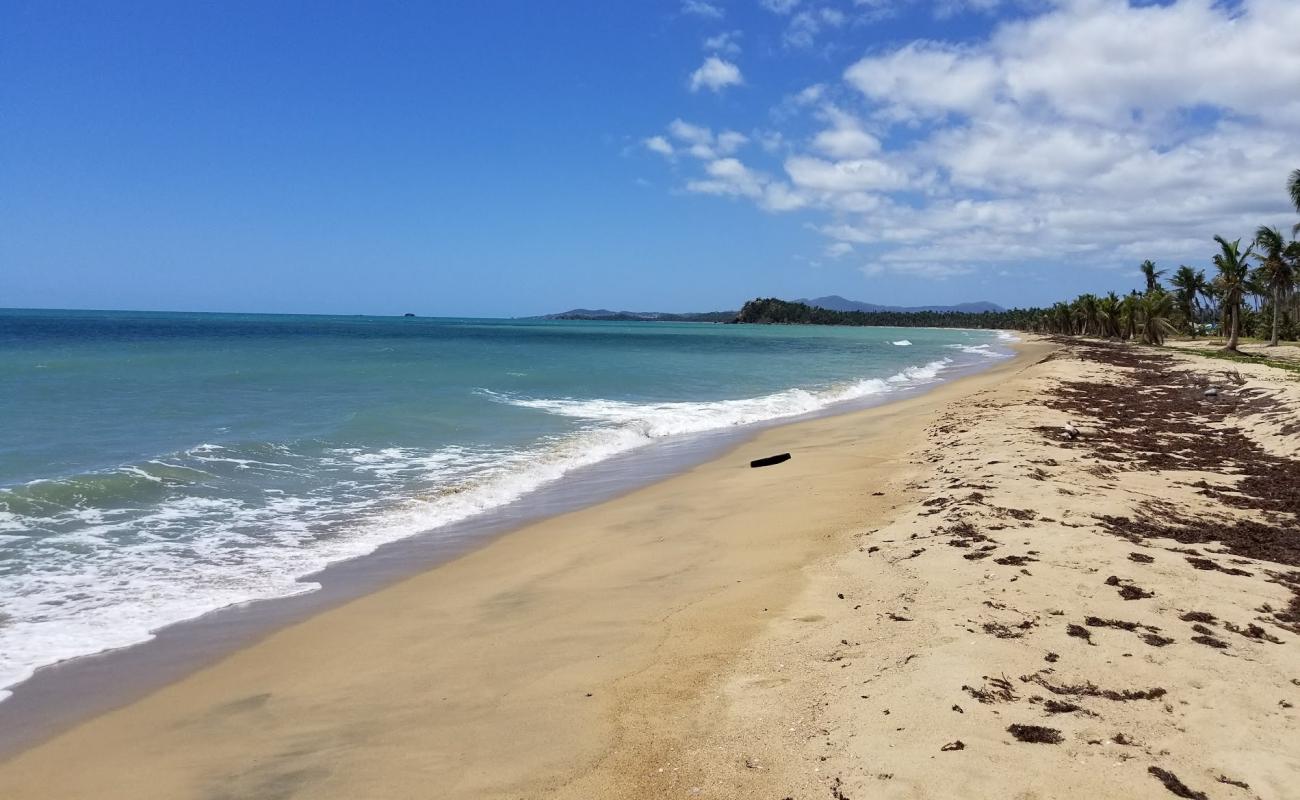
[512, 158]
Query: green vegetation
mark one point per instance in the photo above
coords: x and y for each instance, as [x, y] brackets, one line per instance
[1253, 293]
[1247, 358]
[771, 311]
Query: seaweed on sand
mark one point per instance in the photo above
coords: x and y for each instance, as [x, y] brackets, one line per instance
[1175, 786]
[1037, 734]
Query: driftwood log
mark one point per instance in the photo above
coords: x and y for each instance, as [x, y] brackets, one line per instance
[770, 460]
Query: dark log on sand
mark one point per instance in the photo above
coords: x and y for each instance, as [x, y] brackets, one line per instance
[770, 460]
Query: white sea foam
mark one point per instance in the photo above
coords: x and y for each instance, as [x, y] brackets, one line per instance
[977, 350]
[65, 604]
[902, 343]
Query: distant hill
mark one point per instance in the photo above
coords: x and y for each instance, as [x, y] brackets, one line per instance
[831, 303]
[836, 303]
[771, 311]
[605, 315]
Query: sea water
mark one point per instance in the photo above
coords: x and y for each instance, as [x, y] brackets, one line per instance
[158, 466]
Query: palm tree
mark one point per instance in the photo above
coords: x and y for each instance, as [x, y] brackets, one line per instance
[1062, 319]
[1128, 315]
[1152, 274]
[1085, 311]
[1154, 310]
[1234, 270]
[1189, 283]
[1274, 270]
[1293, 187]
[1108, 314]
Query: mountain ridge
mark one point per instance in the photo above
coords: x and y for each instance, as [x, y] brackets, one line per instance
[832, 302]
[835, 302]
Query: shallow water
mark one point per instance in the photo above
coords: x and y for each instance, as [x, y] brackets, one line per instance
[154, 467]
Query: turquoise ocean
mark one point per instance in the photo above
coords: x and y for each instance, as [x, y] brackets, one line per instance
[158, 466]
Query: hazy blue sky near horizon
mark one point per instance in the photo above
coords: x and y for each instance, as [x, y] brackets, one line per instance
[510, 158]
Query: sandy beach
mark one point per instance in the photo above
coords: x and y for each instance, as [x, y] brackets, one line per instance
[939, 597]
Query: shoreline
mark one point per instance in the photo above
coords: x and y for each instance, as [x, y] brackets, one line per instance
[534, 658]
[62, 695]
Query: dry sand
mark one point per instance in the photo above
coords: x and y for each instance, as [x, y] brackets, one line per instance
[814, 629]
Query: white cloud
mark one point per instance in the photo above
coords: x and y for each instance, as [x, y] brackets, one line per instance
[1094, 134]
[926, 78]
[850, 175]
[700, 8]
[660, 145]
[779, 6]
[806, 25]
[700, 141]
[810, 95]
[727, 42]
[715, 74]
[728, 176]
[930, 270]
[837, 249]
[845, 138]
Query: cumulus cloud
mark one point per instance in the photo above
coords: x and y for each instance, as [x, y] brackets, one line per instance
[715, 74]
[779, 6]
[698, 141]
[726, 42]
[837, 250]
[806, 25]
[845, 138]
[927, 78]
[1095, 133]
[660, 145]
[849, 175]
[700, 8]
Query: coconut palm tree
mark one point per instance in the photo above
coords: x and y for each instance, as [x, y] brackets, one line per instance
[1155, 310]
[1293, 187]
[1234, 270]
[1274, 270]
[1189, 283]
[1152, 274]
[1129, 314]
[1085, 312]
[1108, 314]
[1062, 319]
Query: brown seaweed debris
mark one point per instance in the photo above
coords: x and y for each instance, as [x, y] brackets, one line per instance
[1141, 558]
[964, 534]
[1079, 632]
[1013, 561]
[1156, 640]
[1063, 707]
[1035, 733]
[1207, 564]
[951, 746]
[1252, 631]
[1210, 641]
[1162, 426]
[1132, 592]
[1177, 787]
[1231, 782]
[1197, 616]
[1260, 541]
[1005, 632]
[1090, 689]
[1098, 622]
[997, 690]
